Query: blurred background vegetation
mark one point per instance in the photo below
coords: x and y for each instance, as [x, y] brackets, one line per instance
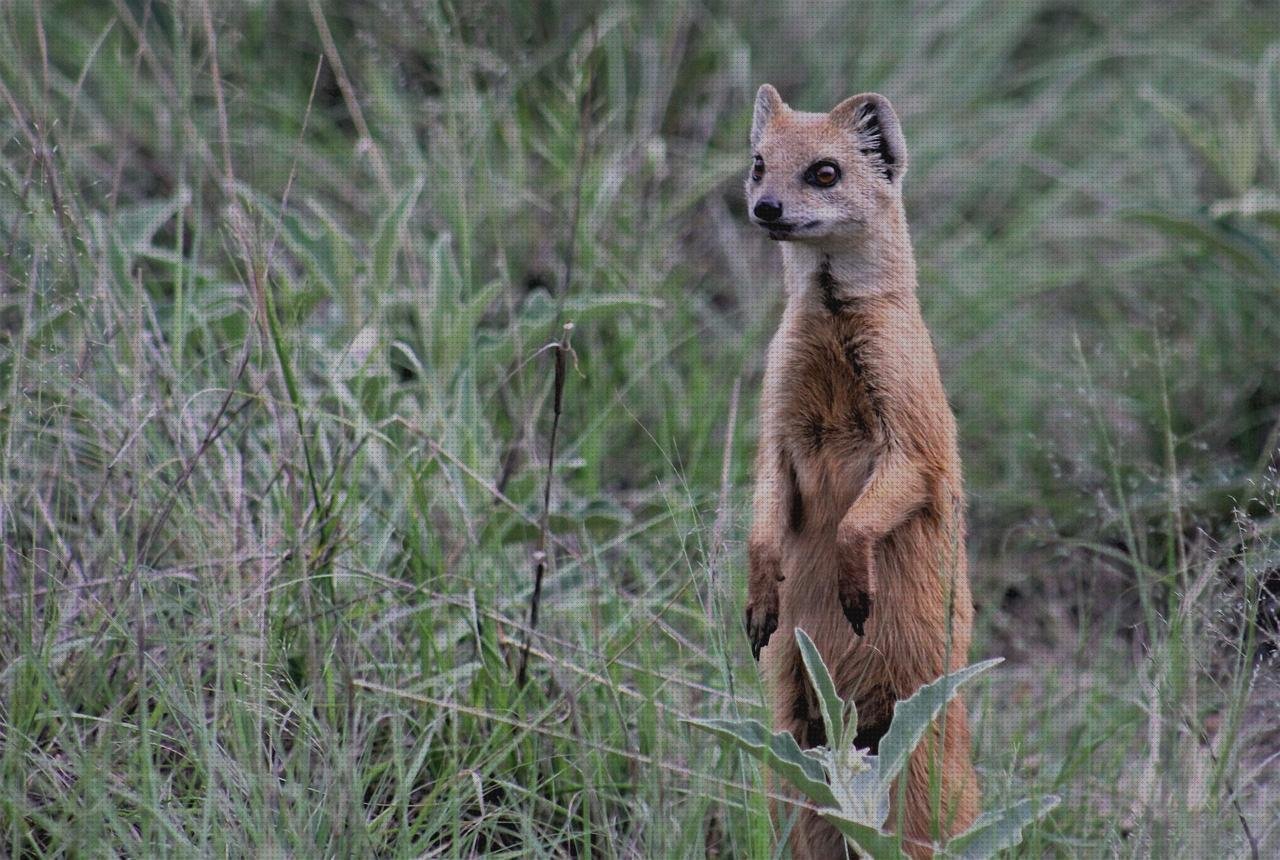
[275, 283]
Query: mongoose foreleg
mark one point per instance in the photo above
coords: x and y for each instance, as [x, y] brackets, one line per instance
[895, 491]
[765, 573]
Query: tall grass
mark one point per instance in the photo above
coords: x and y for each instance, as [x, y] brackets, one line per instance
[277, 413]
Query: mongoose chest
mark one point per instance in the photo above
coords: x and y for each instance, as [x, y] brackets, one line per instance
[829, 404]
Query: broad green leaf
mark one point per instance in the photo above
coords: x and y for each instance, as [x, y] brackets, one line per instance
[409, 358]
[305, 243]
[911, 717]
[581, 309]
[342, 250]
[828, 698]
[131, 232]
[867, 840]
[352, 360]
[538, 309]
[443, 282]
[321, 246]
[386, 239]
[1251, 204]
[1209, 234]
[997, 831]
[135, 226]
[1231, 148]
[170, 257]
[779, 751]
[716, 170]
[1241, 148]
[457, 328]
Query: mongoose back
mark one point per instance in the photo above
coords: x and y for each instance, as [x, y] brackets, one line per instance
[858, 530]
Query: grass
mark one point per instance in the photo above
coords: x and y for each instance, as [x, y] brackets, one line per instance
[277, 413]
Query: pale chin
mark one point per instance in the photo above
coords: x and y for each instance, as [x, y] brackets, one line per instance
[811, 232]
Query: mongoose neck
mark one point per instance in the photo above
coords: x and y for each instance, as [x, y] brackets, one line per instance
[878, 263]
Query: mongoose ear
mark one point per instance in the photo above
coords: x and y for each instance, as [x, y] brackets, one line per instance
[870, 118]
[768, 105]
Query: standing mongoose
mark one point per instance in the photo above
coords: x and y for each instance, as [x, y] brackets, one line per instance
[858, 531]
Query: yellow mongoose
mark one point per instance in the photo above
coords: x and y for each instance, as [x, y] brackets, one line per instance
[858, 532]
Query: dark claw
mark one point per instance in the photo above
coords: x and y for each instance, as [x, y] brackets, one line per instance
[759, 630]
[857, 608]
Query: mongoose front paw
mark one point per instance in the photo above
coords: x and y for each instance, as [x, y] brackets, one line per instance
[761, 621]
[857, 581]
[857, 608]
[762, 594]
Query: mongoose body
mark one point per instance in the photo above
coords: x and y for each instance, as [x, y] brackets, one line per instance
[858, 529]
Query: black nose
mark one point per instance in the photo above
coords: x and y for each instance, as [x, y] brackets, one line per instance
[768, 209]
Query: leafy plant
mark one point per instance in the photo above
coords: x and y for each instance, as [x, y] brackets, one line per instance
[853, 786]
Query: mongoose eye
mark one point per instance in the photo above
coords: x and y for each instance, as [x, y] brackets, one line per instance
[823, 174]
[757, 169]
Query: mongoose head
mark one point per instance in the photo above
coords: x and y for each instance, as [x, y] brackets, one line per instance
[815, 177]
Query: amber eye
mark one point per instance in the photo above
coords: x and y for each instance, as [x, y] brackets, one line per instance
[823, 174]
[757, 169]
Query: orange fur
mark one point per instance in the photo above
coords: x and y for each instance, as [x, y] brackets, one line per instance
[859, 503]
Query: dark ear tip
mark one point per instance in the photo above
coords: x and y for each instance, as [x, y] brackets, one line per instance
[873, 101]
